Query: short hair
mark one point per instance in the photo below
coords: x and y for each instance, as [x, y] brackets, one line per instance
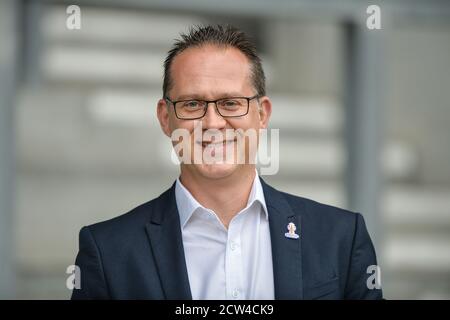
[222, 36]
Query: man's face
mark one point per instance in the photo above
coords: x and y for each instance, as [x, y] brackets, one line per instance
[209, 73]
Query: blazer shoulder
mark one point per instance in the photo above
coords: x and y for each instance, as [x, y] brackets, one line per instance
[327, 221]
[127, 223]
[320, 211]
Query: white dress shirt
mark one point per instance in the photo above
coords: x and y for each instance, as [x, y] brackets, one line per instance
[227, 264]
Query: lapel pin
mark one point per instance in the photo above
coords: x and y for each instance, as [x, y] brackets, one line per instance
[291, 234]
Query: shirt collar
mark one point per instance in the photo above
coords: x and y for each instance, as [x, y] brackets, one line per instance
[187, 204]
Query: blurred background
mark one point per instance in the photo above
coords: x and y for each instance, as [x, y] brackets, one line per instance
[364, 119]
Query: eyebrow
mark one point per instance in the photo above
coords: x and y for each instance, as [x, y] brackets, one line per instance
[200, 97]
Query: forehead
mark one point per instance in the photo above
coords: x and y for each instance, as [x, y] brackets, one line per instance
[211, 70]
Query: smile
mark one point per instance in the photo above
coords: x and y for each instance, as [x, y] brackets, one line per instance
[211, 144]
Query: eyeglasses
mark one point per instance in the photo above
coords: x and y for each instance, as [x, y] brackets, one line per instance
[192, 109]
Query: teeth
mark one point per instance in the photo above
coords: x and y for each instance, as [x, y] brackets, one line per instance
[215, 143]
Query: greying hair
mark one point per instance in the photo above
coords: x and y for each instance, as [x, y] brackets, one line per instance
[222, 36]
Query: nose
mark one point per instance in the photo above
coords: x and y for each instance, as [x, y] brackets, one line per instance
[212, 119]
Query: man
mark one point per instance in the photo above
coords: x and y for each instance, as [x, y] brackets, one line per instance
[220, 232]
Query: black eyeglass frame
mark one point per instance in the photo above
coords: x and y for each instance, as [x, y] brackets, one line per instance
[215, 104]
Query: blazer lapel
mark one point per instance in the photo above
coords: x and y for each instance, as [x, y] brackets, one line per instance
[164, 234]
[286, 252]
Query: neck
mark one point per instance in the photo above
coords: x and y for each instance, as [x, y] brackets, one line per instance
[226, 196]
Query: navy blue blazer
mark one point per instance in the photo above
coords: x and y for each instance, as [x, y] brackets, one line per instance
[140, 255]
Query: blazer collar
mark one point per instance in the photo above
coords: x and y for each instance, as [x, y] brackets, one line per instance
[165, 237]
[286, 252]
[164, 234]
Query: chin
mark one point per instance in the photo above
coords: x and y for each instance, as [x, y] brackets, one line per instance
[216, 171]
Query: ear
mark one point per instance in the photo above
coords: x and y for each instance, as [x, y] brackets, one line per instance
[265, 110]
[162, 112]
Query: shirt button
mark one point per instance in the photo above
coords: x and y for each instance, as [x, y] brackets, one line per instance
[233, 246]
[235, 293]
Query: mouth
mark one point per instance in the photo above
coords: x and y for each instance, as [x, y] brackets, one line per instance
[211, 144]
[216, 149]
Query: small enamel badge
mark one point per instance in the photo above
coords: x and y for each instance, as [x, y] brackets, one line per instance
[291, 234]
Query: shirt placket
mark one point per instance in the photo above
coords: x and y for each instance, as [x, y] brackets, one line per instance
[233, 261]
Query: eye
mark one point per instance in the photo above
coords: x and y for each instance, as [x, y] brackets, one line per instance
[191, 104]
[230, 103]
